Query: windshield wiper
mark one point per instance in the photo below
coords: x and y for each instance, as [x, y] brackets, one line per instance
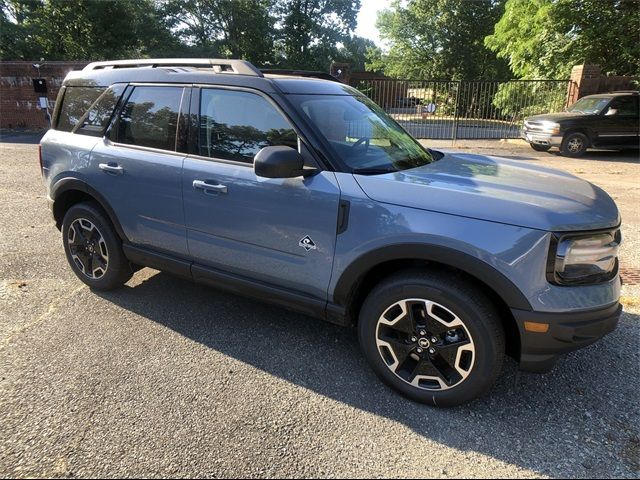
[373, 171]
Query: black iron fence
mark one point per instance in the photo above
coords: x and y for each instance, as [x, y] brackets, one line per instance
[444, 109]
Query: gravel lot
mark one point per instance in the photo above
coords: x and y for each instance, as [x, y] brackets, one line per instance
[167, 378]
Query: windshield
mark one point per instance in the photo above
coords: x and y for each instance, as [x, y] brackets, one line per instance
[361, 134]
[589, 105]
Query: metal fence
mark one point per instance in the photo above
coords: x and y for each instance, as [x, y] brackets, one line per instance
[442, 109]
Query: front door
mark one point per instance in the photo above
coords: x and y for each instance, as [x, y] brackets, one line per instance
[280, 231]
[619, 123]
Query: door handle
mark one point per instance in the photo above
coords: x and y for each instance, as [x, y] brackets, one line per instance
[117, 169]
[207, 187]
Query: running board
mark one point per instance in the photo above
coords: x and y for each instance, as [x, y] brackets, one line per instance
[230, 282]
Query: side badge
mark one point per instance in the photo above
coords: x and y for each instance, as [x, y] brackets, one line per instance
[307, 243]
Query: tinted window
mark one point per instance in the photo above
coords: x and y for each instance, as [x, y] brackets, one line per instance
[150, 118]
[97, 117]
[627, 106]
[236, 125]
[75, 103]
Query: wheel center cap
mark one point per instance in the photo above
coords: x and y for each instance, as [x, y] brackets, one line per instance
[423, 342]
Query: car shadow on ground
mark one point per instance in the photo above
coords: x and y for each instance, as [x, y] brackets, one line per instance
[527, 420]
[617, 156]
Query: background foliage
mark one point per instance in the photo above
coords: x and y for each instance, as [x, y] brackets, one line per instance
[450, 39]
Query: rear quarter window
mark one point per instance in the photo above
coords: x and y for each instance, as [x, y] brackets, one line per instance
[96, 120]
[75, 103]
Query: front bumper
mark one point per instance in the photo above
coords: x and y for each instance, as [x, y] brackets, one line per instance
[540, 138]
[567, 332]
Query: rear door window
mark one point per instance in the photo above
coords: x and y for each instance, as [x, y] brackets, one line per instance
[235, 125]
[75, 103]
[149, 118]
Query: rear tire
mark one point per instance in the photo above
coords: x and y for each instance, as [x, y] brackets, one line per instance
[540, 148]
[432, 336]
[574, 144]
[93, 248]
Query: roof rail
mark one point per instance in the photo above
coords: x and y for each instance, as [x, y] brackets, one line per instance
[300, 73]
[218, 65]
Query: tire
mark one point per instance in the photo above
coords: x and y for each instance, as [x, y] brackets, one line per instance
[93, 248]
[574, 144]
[540, 148]
[466, 370]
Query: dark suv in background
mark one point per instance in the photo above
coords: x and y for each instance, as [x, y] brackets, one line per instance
[608, 121]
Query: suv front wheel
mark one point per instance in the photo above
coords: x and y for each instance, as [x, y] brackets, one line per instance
[574, 144]
[93, 248]
[432, 336]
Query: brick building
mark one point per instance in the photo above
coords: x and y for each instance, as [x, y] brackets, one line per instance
[19, 102]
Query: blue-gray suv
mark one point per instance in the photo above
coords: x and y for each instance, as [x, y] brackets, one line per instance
[301, 191]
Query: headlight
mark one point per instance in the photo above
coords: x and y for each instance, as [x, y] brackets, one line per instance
[550, 127]
[584, 258]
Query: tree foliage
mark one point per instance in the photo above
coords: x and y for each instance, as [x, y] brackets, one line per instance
[309, 31]
[223, 28]
[546, 38]
[76, 29]
[438, 39]
[285, 33]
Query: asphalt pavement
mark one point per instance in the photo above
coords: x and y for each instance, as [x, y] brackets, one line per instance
[168, 378]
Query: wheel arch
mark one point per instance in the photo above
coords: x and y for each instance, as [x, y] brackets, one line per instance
[69, 191]
[366, 271]
[586, 131]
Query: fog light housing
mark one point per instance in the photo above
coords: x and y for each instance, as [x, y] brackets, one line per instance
[584, 259]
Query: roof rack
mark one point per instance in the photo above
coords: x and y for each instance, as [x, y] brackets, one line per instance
[300, 73]
[218, 65]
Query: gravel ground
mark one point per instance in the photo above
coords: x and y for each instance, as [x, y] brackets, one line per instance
[167, 378]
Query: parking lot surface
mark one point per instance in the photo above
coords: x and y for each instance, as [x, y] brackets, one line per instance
[168, 378]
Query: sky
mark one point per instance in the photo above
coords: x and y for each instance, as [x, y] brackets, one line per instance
[367, 19]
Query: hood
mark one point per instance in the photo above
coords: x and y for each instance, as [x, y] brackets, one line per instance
[497, 190]
[555, 117]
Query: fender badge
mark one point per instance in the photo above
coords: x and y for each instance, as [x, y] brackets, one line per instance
[307, 243]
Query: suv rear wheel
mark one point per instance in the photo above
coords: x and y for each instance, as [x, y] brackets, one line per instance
[574, 144]
[433, 337]
[93, 248]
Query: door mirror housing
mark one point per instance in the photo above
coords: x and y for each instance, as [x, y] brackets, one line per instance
[280, 162]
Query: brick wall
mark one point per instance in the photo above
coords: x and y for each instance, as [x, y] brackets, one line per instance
[588, 80]
[19, 104]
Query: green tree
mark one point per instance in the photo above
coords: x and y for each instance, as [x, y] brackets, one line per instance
[226, 28]
[354, 50]
[309, 31]
[546, 38]
[438, 39]
[82, 30]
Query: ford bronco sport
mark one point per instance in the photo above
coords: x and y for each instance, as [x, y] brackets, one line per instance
[303, 192]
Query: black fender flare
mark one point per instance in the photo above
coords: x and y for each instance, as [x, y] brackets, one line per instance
[70, 183]
[473, 266]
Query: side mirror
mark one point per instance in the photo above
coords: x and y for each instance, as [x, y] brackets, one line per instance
[611, 111]
[280, 162]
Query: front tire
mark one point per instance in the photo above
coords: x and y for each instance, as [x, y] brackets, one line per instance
[93, 248]
[574, 144]
[432, 336]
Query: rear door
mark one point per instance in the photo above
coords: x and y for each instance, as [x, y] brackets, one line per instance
[138, 170]
[619, 122]
[280, 231]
